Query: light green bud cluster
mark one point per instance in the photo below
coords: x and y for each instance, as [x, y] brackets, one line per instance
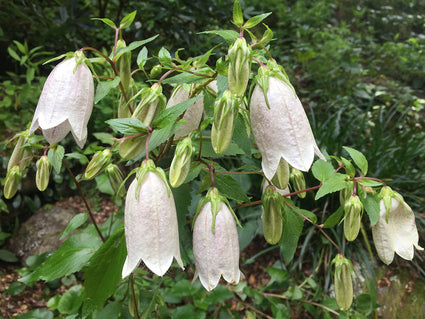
[240, 55]
[42, 176]
[98, 163]
[115, 177]
[281, 177]
[13, 178]
[353, 209]
[343, 282]
[180, 165]
[272, 216]
[298, 181]
[225, 113]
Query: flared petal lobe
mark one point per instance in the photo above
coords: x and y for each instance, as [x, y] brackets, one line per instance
[65, 103]
[151, 228]
[283, 130]
[216, 253]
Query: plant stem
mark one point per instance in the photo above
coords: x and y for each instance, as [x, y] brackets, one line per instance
[84, 199]
[133, 297]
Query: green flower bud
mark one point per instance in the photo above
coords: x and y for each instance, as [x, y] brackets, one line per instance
[124, 65]
[155, 71]
[42, 176]
[272, 217]
[343, 282]
[181, 162]
[123, 106]
[152, 102]
[116, 178]
[98, 163]
[298, 181]
[20, 154]
[353, 210]
[130, 148]
[240, 54]
[386, 195]
[281, 177]
[13, 178]
[346, 193]
[225, 112]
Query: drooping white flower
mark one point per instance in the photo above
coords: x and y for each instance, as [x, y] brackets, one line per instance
[66, 102]
[396, 232]
[216, 244]
[151, 228]
[280, 126]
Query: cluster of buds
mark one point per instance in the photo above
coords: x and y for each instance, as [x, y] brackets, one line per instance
[343, 282]
[353, 209]
[395, 231]
[215, 241]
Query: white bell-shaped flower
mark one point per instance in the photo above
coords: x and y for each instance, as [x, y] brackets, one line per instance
[66, 102]
[281, 127]
[151, 228]
[396, 232]
[216, 245]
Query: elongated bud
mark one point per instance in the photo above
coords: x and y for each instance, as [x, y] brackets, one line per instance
[116, 178]
[42, 176]
[155, 71]
[298, 181]
[343, 282]
[124, 65]
[225, 112]
[152, 102]
[13, 178]
[98, 163]
[130, 148]
[240, 54]
[272, 217]
[281, 177]
[346, 193]
[181, 162]
[123, 106]
[353, 210]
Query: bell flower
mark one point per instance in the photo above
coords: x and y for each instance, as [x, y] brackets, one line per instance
[279, 123]
[66, 102]
[215, 241]
[150, 222]
[396, 229]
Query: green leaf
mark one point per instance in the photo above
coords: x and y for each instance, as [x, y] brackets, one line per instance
[36, 314]
[334, 183]
[106, 138]
[237, 14]
[74, 223]
[240, 135]
[161, 135]
[128, 20]
[170, 115]
[334, 218]
[55, 156]
[368, 182]
[104, 87]
[371, 206]
[69, 258]
[127, 126]
[164, 58]
[349, 168]
[71, 300]
[219, 295]
[142, 57]
[15, 288]
[230, 188]
[277, 275]
[188, 311]
[104, 272]
[322, 170]
[293, 225]
[13, 54]
[78, 156]
[107, 22]
[252, 22]
[208, 151]
[134, 45]
[358, 158]
[307, 214]
[229, 36]
[7, 256]
[195, 169]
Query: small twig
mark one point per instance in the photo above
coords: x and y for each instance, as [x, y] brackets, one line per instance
[136, 309]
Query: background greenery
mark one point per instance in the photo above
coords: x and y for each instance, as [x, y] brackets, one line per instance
[359, 68]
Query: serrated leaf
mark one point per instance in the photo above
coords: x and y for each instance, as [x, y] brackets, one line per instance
[322, 170]
[74, 223]
[106, 138]
[142, 57]
[293, 225]
[71, 300]
[334, 183]
[104, 272]
[358, 158]
[134, 45]
[127, 126]
[104, 87]
[128, 20]
[195, 169]
[170, 115]
[208, 151]
[240, 136]
[227, 186]
[252, 22]
[371, 206]
[107, 21]
[159, 136]
[349, 168]
[164, 57]
[78, 156]
[237, 14]
[229, 36]
[334, 218]
[368, 182]
[71, 257]
[307, 214]
[55, 156]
